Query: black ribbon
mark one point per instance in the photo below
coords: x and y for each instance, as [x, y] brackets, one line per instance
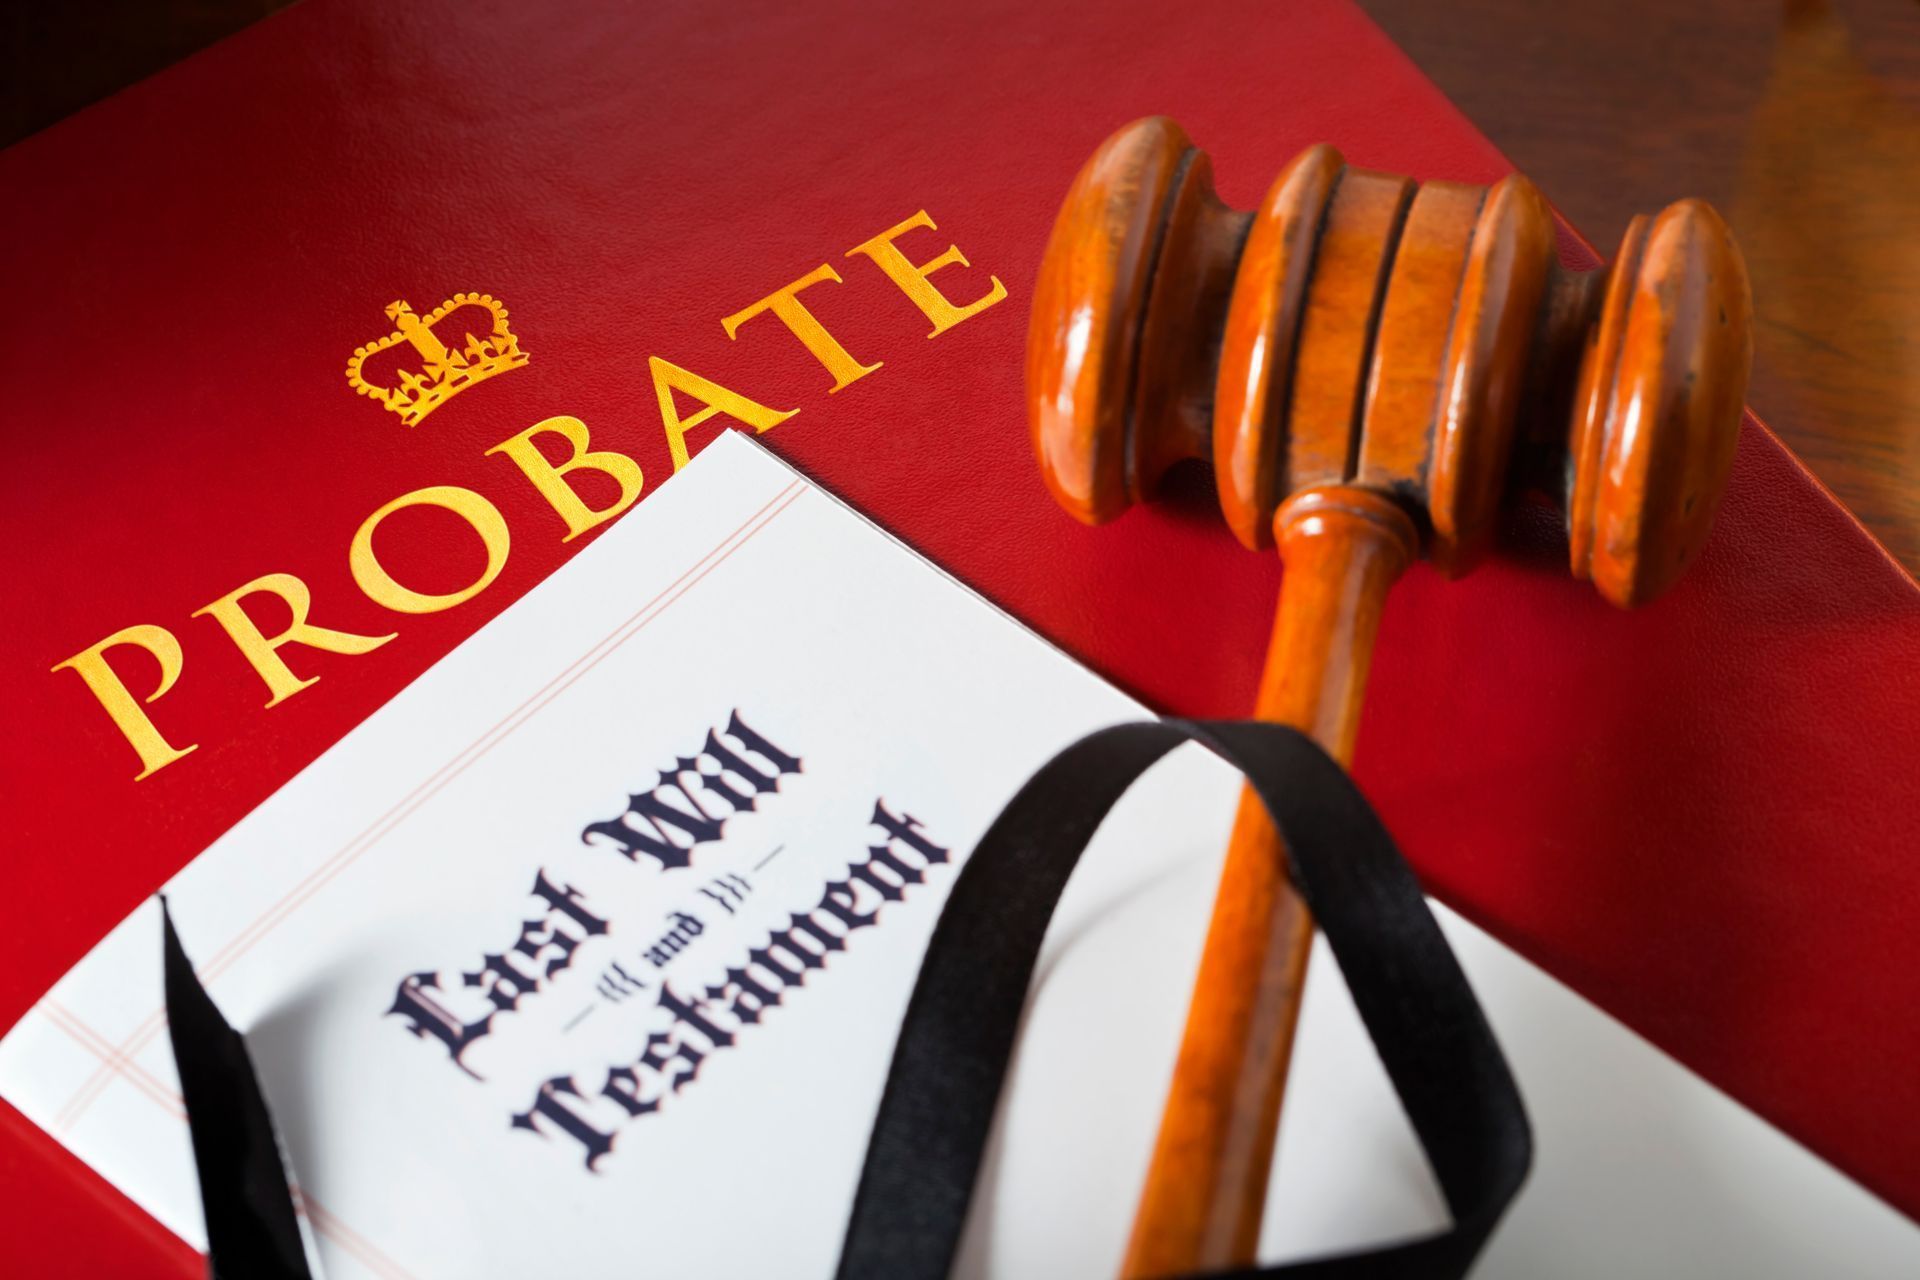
[252, 1232]
[952, 1055]
[951, 1059]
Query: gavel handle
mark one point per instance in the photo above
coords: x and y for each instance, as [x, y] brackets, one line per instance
[1206, 1187]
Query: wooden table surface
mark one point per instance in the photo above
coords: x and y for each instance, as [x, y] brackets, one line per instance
[1799, 119]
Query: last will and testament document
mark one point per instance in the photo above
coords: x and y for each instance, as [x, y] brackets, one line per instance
[585, 955]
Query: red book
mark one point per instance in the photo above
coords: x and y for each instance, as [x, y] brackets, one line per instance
[1699, 814]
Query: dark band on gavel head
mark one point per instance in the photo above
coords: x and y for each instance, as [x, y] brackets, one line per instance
[1418, 340]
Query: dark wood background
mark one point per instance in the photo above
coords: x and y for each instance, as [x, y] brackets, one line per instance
[1799, 119]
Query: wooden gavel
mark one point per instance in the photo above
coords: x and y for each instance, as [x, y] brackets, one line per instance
[1372, 365]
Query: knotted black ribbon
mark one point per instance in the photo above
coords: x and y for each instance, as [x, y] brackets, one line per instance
[951, 1059]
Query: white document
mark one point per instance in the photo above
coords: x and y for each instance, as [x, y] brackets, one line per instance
[502, 958]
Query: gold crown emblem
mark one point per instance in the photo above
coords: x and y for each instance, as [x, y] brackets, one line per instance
[447, 371]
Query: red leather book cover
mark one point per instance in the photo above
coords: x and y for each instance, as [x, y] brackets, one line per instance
[223, 429]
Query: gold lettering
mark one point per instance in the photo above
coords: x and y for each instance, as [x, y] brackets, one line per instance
[486, 520]
[550, 479]
[91, 665]
[913, 280]
[786, 306]
[669, 378]
[263, 651]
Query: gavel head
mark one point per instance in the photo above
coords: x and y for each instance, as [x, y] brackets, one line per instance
[1415, 339]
